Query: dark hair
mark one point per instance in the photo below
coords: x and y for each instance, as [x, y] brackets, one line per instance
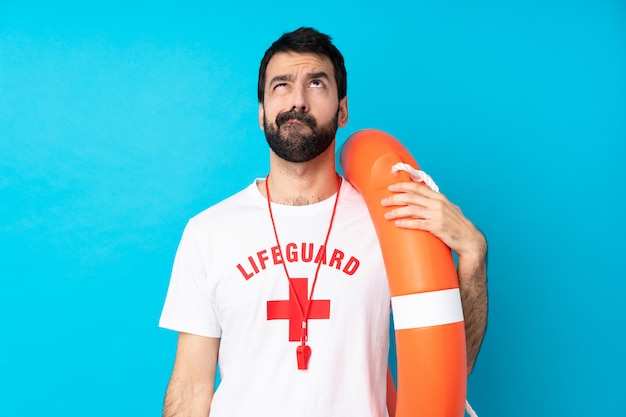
[306, 40]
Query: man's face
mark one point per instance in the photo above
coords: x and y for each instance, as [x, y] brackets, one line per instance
[300, 112]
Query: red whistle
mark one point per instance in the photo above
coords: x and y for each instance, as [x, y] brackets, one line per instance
[303, 353]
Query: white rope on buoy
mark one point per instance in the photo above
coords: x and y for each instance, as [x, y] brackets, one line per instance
[469, 410]
[416, 175]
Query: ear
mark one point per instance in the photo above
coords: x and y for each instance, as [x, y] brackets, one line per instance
[261, 114]
[342, 117]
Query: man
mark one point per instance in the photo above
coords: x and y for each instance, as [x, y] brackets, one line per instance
[283, 284]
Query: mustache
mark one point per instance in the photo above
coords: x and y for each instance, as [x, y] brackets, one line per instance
[296, 115]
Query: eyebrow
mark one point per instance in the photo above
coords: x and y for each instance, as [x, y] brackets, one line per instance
[318, 74]
[279, 78]
[310, 75]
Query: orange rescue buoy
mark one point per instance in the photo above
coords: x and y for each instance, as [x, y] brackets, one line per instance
[426, 303]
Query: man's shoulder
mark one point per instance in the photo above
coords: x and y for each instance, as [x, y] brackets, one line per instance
[243, 200]
[351, 195]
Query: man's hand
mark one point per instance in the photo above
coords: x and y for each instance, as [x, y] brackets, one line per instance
[416, 206]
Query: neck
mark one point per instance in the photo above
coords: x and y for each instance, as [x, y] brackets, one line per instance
[298, 184]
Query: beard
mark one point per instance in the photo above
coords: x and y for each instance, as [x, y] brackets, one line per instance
[299, 142]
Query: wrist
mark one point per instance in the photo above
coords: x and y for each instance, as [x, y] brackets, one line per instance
[473, 259]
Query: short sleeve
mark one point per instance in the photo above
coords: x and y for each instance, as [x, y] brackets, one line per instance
[189, 305]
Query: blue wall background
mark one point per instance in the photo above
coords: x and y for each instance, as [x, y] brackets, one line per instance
[120, 121]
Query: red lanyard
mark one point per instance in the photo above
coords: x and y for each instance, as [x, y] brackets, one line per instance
[303, 352]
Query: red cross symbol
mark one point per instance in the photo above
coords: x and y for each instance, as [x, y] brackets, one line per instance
[289, 309]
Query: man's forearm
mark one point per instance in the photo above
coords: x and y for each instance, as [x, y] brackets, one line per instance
[182, 401]
[472, 273]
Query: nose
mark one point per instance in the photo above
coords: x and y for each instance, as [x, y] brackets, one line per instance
[300, 102]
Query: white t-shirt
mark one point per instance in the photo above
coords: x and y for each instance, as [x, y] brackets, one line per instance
[228, 282]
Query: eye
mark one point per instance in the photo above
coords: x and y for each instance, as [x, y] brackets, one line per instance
[317, 84]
